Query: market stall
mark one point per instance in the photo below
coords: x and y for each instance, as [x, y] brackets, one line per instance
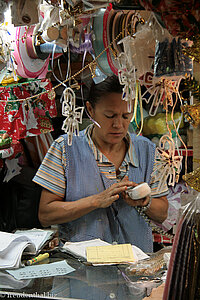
[51, 52]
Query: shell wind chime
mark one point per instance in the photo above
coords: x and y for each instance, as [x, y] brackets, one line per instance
[131, 89]
[167, 164]
[72, 113]
[127, 77]
[159, 91]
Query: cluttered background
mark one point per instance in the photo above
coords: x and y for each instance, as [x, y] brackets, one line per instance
[51, 51]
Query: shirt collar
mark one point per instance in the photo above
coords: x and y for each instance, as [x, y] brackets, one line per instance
[130, 156]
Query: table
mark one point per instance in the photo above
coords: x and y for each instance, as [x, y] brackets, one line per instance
[86, 282]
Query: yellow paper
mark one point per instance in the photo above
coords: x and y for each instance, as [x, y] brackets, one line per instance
[111, 254]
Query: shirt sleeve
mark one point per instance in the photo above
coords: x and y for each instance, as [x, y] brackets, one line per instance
[154, 183]
[51, 173]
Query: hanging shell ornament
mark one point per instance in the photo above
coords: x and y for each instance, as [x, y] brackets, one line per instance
[127, 77]
[72, 113]
[167, 165]
[159, 91]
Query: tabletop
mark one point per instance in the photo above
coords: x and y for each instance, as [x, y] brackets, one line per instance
[86, 282]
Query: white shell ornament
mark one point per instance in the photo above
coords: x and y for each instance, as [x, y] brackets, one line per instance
[72, 113]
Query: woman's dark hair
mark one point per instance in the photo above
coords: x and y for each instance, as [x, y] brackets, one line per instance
[110, 85]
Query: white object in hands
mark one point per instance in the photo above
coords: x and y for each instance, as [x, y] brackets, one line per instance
[140, 191]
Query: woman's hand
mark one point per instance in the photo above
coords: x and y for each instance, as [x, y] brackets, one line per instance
[132, 202]
[158, 208]
[139, 202]
[107, 197]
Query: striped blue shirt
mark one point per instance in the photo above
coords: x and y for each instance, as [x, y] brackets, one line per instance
[51, 174]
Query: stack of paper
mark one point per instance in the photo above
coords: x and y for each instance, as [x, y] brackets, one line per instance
[79, 249]
[13, 245]
[11, 249]
[113, 254]
[37, 236]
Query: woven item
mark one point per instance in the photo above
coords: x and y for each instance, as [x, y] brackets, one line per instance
[192, 113]
[193, 179]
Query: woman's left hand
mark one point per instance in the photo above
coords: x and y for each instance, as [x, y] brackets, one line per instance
[158, 210]
[132, 202]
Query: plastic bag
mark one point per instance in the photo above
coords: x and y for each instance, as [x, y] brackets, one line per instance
[140, 49]
[170, 60]
[149, 266]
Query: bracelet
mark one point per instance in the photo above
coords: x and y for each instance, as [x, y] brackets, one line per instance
[144, 208]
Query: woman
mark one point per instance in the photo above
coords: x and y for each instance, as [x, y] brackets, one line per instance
[85, 184]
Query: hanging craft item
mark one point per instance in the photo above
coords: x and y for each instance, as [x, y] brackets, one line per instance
[28, 63]
[131, 89]
[5, 140]
[167, 165]
[84, 48]
[21, 116]
[127, 77]
[192, 113]
[51, 30]
[170, 60]
[72, 113]
[140, 49]
[159, 32]
[158, 90]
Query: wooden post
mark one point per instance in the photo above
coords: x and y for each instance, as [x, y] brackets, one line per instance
[196, 131]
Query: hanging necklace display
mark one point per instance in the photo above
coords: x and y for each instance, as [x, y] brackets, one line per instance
[72, 113]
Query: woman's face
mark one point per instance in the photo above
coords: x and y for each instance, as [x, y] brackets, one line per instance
[111, 113]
